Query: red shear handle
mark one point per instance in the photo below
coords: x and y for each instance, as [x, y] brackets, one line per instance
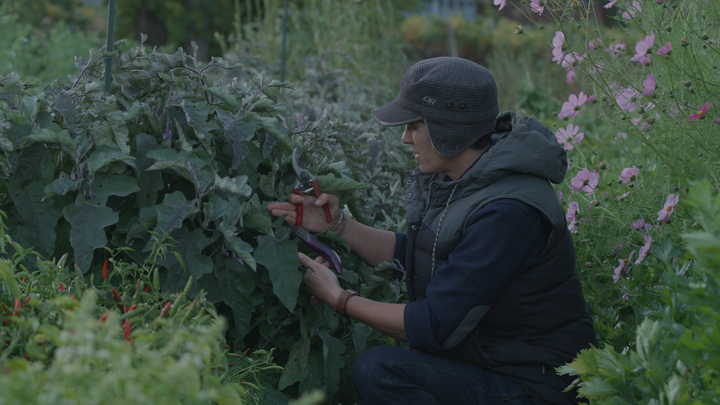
[299, 208]
[316, 187]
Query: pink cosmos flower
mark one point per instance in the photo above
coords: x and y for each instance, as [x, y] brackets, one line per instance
[623, 266]
[568, 136]
[644, 250]
[570, 76]
[627, 98]
[592, 98]
[610, 4]
[637, 225]
[500, 3]
[558, 43]
[585, 181]
[649, 85]
[701, 112]
[665, 49]
[571, 60]
[668, 208]
[537, 6]
[617, 49]
[717, 120]
[571, 107]
[622, 196]
[629, 174]
[571, 217]
[642, 49]
[594, 43]
[632, 10]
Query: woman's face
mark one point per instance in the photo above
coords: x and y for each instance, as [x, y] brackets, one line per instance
[431, 161]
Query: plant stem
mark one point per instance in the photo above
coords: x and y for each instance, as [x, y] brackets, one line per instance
[110, 40]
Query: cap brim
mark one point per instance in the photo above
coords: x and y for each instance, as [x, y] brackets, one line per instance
[392, 114]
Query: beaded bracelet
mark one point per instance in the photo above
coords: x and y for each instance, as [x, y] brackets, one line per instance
[341, 222]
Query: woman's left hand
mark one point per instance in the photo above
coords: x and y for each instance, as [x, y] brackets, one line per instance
[319, 280]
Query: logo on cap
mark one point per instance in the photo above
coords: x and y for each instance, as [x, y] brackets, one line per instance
[429, 100]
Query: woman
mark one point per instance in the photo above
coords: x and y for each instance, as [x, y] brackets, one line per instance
[495, 299]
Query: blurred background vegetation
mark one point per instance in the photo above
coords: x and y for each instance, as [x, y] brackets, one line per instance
[373, 41]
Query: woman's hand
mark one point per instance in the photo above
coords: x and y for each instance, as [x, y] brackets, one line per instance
[314, 219]
[320, 281]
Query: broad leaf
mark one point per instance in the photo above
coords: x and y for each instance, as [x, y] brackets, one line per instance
[190, 247]
[61, 186]
[41, 215]
[281, 259]
[296, 368]
[105, 184]
[104, 156]
[88, 223]
[333, 349]
[241, 248]
[333, 185]
[235, 185]
[236, 287]
[173, 210]
[61, 137]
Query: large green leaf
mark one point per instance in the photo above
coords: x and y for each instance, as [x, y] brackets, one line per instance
[235, 185]
[104, 156]
[239, 132]
[117, 121]
[281, 259]
[41, 215]
[61, 186]
[56, 136]
[190, 245]
[236, 287]
[333, 349]
[88, 223]
[106, 184]
[296, 368]
[333, 185]
[241, 248]
[173, 210]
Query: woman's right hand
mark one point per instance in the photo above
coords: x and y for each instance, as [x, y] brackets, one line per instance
[314, 219]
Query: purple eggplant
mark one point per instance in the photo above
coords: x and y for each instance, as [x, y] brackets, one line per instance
[319, 247]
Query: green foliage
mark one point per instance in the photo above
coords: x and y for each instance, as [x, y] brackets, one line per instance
[39, 53]
[672, 363]
[174, 169]
[360, 37]
[55, 347]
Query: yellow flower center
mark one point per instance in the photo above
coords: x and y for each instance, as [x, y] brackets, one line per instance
[669, 208]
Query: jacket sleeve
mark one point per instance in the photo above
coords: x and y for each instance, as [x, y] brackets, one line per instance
[501, 240]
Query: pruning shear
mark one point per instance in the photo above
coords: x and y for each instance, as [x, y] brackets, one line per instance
[305, 179]
[319, 247]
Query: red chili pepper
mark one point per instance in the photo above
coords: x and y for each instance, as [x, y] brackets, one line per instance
[26, 357]
[132, 308]
[127, 330]
[166, 309]
[118, 300]
[73, 297]
[27, 299]
[24, 279]
[147, 289]
[105, 270]
[62, 287]
[103, 318]
[17, 306]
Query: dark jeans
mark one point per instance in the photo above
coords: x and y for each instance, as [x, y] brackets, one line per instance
[393, 375]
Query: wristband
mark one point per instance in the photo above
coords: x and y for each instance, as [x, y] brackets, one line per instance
[342, 301]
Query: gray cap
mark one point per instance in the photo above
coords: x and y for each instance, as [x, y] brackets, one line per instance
[457, 98]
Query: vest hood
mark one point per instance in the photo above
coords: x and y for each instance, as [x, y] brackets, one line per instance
[524, 145]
